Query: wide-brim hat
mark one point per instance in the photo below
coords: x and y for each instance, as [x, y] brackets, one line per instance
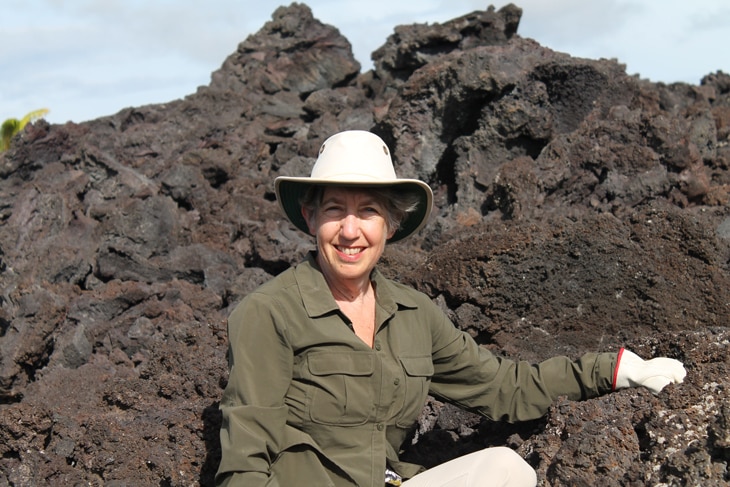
[354, 158]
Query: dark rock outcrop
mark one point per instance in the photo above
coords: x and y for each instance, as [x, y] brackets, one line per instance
[577, 209]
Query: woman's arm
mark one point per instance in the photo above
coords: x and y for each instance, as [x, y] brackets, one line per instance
[254, 412]
[501, 389]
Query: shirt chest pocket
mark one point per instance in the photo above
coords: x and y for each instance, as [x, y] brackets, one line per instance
[418, 373]
[342, 390]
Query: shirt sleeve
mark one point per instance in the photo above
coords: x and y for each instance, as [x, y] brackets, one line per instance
[253, 409]
[474, 378]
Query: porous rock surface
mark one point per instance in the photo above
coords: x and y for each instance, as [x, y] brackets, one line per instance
[578, 209]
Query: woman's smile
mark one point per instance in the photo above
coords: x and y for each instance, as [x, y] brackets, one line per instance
[349, 251]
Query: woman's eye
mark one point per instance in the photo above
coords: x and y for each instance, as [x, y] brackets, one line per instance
[371, 210]
[331, 209]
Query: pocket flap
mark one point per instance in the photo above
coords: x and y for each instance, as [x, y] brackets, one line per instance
[341, 363]
[418, 366]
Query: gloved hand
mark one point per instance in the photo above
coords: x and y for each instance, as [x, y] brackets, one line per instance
[633, 371]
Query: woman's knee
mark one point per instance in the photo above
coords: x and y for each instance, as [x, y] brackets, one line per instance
[505, 455]
[514, 470]
[491, 467]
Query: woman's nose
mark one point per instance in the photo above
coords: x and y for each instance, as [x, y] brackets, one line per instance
[350, 226]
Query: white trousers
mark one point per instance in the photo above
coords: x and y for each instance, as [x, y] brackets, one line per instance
[492, 467]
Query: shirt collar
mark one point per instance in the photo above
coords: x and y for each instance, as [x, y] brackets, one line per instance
[318, 299]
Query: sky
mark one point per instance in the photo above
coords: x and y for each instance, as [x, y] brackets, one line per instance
[84, 59]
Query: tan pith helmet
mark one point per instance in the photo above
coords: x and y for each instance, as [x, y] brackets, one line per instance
[354, 158]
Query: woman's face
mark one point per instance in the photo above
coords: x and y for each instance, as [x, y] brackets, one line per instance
[351, 230]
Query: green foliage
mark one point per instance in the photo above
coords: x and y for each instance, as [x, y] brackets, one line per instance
[12, 126]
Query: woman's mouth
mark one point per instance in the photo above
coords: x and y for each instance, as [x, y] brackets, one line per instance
[349, 250]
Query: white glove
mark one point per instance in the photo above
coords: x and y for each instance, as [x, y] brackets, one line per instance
[654, 374]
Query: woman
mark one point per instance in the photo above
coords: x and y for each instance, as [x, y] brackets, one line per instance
[331, 363]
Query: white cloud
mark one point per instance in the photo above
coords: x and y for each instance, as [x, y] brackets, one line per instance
[87, 58]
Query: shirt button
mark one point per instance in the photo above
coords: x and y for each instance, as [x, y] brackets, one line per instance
[377, 347]
[380, 427]
[396, 381]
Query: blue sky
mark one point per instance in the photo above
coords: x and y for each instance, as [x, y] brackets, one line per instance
[84, 59]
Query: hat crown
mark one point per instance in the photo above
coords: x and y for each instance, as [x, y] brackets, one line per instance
[354, 156]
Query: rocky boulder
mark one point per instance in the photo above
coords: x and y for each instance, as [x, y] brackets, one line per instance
[578, 209]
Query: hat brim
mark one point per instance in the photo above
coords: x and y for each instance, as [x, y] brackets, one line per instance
[290, 190]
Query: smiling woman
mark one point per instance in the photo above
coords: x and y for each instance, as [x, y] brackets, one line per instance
[331, 363]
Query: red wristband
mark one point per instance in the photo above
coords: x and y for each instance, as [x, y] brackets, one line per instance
[615, 370]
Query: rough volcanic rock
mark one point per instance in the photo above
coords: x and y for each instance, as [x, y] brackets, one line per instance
[577, 209]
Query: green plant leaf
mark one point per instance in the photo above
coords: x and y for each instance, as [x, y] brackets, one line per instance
[12, 126]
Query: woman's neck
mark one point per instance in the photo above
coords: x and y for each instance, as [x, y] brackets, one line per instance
[356, 299]
[349, 291]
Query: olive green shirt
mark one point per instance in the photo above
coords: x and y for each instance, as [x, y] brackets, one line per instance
[309, 403]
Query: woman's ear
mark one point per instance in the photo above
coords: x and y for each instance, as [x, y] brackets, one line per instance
[391, 232]
[309, 219]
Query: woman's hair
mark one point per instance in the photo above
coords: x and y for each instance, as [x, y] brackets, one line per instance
[397, 203]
